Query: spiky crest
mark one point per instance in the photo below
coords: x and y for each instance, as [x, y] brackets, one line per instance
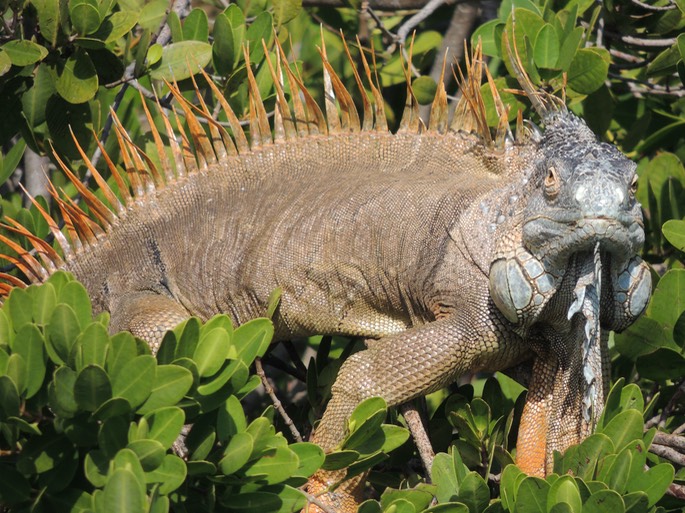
[299, 118]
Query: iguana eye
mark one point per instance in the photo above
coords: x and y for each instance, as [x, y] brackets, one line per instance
[633, 186]
[552, 185]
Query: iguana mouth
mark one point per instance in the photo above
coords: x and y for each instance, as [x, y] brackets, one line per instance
[555, 240]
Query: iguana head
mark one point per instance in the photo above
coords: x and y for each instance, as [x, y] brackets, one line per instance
[582, 192]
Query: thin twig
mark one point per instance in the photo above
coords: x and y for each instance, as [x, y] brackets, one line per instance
[274, 399]
[409, 25]
[670, 440]
[418, 432]
[660, 420]
[318, 503]
[649, 7]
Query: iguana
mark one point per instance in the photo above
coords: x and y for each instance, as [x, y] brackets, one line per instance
[458, 248]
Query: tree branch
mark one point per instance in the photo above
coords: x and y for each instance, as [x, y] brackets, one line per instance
[274, 399]
[418, 432]
[378, 5]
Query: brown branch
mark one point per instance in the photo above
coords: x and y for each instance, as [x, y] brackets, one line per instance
[676, 490]
[649, 7]
[668, 453]
[274, 399]
[378, 5]
[670, 440]
[418, 431]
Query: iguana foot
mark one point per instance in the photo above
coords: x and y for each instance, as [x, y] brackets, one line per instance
[343, 499]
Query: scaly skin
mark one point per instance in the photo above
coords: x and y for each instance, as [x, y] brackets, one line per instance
[457, 253]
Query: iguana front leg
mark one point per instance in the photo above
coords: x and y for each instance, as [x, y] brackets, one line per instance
[404, 366]
[147, 315]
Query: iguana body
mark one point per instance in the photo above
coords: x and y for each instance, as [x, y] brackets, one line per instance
[457, 252]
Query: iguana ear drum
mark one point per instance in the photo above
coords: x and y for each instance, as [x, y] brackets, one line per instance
[510, 288]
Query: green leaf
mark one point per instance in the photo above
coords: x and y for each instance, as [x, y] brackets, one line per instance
[181, 60]
[77, 81]
[654, 482]
[134, 381]
[123, 493]
[14, 487]
[196, 26]
[92, 388]
[339, 459]
[165, 425]
[19, 306]
[582, 460]
[61, 392]
[75, 295]
[93, 345]
[531, 496]
[452, 507]
[170, 474]
[171, 384]
[588, 70]
[643, 337]
[286, 10]
[23, 52]
[366, 419]
[444, 475]
[16, 371]
[150, 453]
[85, 16]
[230, 419]
[624, 428]
[152, 14]
[236, 454]
[254, 502]
[674, 231]
[474, 492]
[665, 62]
[486, 34]
[116, 26]
[564, 490]
[9, 398]
[121, 353]
[546, 47]
[252, 339]
[128, 460]
[5, 66]
[11, 159]
[34, 101]
[211, 351]
[62, 331]
[310, 457]
[260, 29]
[276, 465]
[48, 18]
[661, 365]
[32, 351]
[262, 431]
[604, 501]
[617, 474]
[188, 334]
[424, 88]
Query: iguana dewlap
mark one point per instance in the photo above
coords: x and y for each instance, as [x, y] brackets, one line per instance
[458, 250]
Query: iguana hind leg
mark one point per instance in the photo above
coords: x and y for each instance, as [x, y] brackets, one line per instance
[147, 315]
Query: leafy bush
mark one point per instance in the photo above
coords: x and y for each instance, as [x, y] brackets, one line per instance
[88, 421]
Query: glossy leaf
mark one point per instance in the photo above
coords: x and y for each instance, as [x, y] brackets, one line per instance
[181, 60]
[92, 388]
[23, 52]
[77, 81]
